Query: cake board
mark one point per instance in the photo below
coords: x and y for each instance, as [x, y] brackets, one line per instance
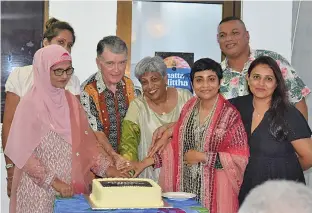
[93, 207]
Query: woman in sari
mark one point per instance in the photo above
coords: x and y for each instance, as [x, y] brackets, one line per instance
[209, 152]
[157, 106]
[50, 141]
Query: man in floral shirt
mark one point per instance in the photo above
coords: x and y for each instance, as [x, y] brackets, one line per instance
[106, 94]
[233, 39]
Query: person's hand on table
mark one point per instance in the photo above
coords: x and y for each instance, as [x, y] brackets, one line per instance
[63, 188]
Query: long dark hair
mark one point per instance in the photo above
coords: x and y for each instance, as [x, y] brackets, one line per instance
[279, 103]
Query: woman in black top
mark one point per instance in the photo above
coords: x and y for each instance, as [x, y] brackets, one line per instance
[278, 135]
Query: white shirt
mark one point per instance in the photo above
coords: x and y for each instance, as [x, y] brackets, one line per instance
[21, 80]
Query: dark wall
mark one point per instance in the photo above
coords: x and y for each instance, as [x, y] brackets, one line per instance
[21, 35]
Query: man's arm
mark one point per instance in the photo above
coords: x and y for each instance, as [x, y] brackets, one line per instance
[297, 89]
[94, 122]
[302, 107]
[104, 143]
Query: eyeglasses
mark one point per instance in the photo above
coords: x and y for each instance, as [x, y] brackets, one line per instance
[60, 72]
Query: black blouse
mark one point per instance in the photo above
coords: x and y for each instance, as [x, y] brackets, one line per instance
[261, 139]
[270, 158]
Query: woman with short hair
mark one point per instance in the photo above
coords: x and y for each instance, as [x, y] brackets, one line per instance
[158, 105]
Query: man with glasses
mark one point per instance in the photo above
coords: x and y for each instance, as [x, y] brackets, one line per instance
[233, 39]
[106, 94]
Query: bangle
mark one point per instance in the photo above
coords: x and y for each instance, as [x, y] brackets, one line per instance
[9, 165]
[9, 178]
[157, 160]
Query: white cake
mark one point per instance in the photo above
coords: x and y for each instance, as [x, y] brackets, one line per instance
[126, 193]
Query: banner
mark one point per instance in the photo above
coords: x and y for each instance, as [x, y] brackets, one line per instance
[178, 68]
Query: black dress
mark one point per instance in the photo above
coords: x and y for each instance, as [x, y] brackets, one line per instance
[269, 158]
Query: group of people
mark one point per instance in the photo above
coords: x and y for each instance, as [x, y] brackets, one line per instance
[246, 123]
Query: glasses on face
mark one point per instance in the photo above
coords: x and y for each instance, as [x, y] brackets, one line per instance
[60, 72]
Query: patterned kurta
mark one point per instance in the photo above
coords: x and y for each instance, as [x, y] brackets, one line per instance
[106, 110]
[234, 83]
[223, 140]
[52, 158]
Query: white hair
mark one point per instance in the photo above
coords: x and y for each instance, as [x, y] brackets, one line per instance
[150, 64]
[278, 196]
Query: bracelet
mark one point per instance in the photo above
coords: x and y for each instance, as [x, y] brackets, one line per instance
[9, 165]
[9, 178]
[157, 160]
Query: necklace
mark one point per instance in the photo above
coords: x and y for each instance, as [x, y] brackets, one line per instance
[194, 138]
[256, 113]
[162, 105]
[201, 129]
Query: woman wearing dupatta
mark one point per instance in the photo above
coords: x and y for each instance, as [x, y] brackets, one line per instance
[159, 105]
[50, 141]
[209, 152]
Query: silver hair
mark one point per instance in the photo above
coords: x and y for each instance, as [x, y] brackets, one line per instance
[150, 64]
[278, 196]
[113, 43]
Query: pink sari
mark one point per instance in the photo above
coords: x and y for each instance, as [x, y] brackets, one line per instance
[225, 136]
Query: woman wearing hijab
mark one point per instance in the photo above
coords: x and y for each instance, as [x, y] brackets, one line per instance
[50, 141]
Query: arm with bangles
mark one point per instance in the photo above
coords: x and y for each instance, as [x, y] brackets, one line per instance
[155, 161]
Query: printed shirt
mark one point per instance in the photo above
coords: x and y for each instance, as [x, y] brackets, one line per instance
[234, 83]
[106, 110]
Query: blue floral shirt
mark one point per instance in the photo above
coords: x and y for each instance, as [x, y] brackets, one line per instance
[235, 84]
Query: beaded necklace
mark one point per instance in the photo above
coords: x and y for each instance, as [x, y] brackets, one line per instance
[194, 138]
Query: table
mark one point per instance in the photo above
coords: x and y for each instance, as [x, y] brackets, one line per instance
[79, 204]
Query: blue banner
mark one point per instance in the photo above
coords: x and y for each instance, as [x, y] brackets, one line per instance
[179, 78]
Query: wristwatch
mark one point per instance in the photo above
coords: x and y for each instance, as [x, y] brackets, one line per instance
[9, 165]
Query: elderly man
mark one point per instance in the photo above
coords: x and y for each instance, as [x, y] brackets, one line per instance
[233, 39]
[106, 94]
[278, 196]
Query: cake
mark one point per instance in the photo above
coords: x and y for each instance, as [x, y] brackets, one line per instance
[126, 193]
